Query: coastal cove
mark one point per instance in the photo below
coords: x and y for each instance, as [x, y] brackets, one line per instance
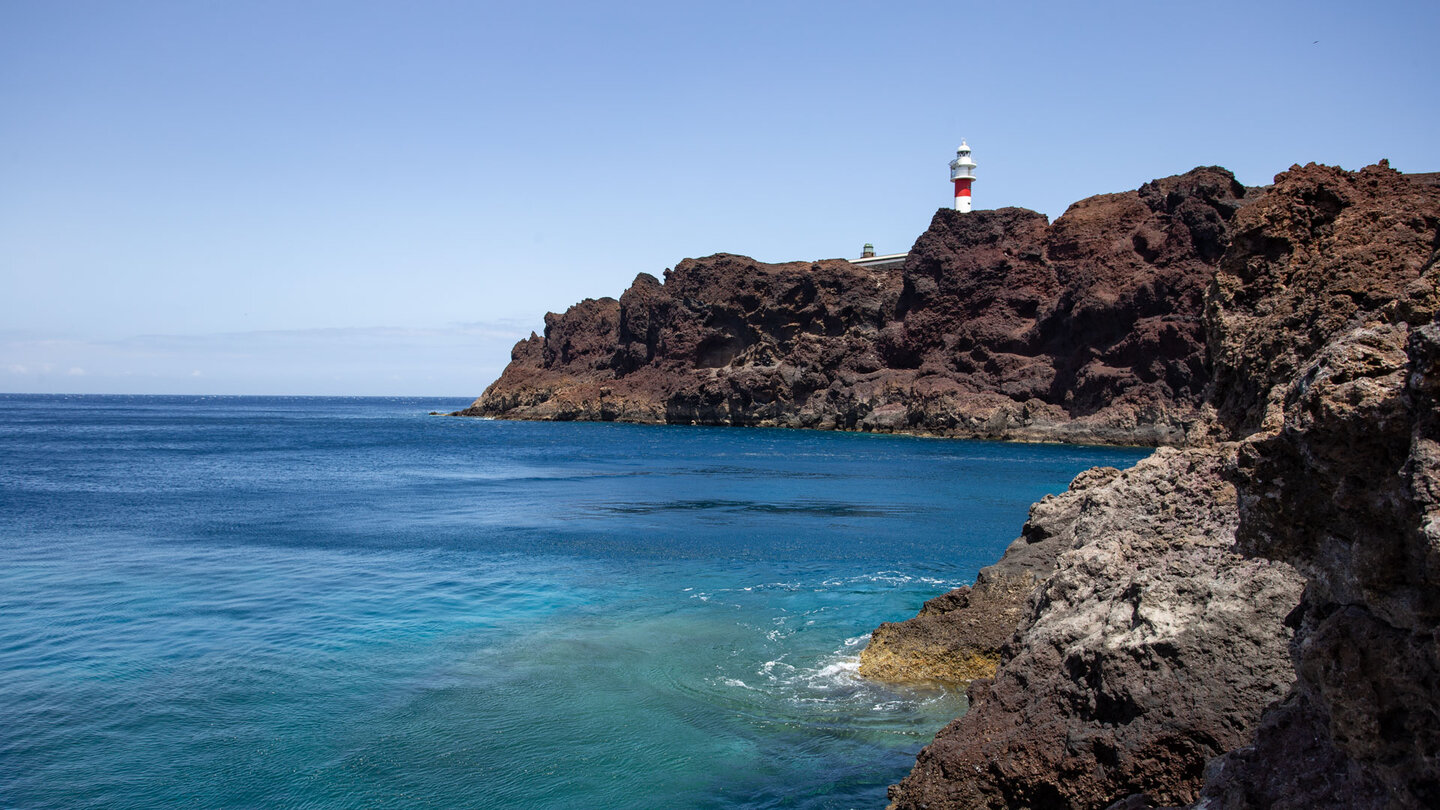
[820, 411]
[1246, 619]
[237, 602]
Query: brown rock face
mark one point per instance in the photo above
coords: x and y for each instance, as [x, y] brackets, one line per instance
[1345, 485]
[999, 326]
[1328, 250]
[725, 340]
[1152, 648]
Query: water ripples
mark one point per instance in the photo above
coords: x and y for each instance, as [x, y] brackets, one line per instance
[239, 603]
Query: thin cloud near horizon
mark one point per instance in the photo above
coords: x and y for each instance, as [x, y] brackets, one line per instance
[458, 359]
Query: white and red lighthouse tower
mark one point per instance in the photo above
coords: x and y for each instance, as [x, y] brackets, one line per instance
[962, 171]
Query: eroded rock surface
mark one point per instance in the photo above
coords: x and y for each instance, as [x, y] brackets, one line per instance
[1346, 487]
[958, 636]
[1152, 648]
[1323, 415]
[1000, 325]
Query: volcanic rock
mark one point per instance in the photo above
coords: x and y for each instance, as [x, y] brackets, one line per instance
[1154, 645]
[999, 325]
[1328, 251]
[1152, 648]
[958, 636]
[1345, 486]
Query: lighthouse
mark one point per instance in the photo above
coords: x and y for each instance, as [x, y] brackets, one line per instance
[962, 171]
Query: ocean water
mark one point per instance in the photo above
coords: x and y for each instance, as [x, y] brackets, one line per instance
[346, 603]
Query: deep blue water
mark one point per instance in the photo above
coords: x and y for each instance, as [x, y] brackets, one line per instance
[333, 603]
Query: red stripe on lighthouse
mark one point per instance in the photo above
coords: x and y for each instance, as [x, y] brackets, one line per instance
[962, 188]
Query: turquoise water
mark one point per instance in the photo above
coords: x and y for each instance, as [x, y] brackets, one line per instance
[337, 603]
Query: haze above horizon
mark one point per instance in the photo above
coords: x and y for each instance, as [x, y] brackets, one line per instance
[380, 198]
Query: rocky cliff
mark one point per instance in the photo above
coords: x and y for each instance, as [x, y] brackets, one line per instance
[1151, 648]
[1249, 620]
[1159, 638]
[1336, 367]
[999, 325]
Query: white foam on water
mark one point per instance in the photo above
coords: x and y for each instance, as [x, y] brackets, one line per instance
[766, 586]
[768, 666]
[845, 668]
[889, 578]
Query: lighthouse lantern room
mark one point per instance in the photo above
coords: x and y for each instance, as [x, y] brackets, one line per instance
[962, 171]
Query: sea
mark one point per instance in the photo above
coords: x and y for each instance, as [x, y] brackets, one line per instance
[254, 602]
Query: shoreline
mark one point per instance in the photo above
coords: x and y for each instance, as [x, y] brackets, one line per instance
[914, 434]
[1279, 345]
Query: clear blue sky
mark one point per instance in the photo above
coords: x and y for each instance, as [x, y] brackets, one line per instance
[380, 197]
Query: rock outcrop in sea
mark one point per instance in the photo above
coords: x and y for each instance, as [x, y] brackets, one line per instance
[1247, 619]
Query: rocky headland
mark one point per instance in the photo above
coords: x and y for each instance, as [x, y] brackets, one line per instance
[1000, 325]
[1249, 618]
